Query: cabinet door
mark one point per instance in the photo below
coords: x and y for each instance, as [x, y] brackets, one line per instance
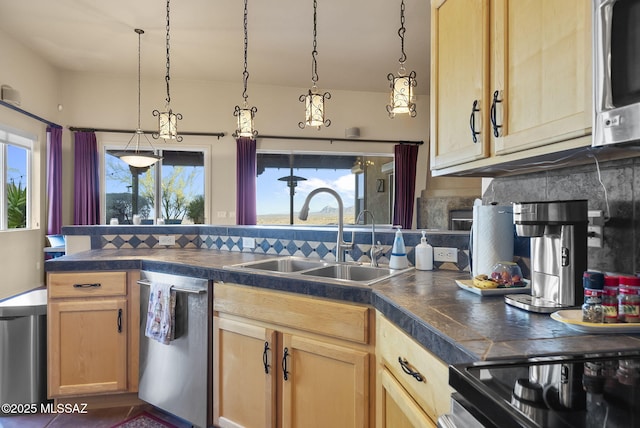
[396, 407]
[324, 385]
[459, 80]
[87, 346]
[542, 71]
[244, 375]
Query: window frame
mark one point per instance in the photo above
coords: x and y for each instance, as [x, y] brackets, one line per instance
[24, 140]
[328, 153]
[111, 146]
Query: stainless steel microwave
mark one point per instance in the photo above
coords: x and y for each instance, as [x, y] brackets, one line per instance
[616, 61]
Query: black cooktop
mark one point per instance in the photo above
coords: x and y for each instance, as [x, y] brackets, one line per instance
[592, 390]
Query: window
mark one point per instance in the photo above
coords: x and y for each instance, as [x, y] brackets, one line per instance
[285, 179]
[172, 189]
[15, 182]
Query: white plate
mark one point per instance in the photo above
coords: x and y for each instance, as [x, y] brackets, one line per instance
[467, 284]
[573, 319]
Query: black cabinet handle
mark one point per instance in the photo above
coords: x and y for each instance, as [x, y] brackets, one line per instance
[472, 121]
[285, 373]
[408, 370]
[264, 357]
[492, 115]
[94, 285]
[119, 320]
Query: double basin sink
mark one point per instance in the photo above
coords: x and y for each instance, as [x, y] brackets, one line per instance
[305, 268]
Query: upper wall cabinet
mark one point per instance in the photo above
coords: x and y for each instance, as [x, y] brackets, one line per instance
[511, 80]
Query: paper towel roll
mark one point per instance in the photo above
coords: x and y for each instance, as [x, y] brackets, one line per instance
[491, 237]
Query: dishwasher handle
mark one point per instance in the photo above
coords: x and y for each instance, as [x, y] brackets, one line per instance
[178, 289]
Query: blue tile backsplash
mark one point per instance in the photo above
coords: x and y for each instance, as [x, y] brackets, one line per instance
[312, 242]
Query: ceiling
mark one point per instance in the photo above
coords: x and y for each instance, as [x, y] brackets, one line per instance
[357, 40]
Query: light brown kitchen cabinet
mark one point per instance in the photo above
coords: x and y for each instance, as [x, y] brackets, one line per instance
[287, 360]
[511, 80]
[412, 384]
[92, 325]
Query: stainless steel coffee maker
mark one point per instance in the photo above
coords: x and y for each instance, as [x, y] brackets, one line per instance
[558, 231]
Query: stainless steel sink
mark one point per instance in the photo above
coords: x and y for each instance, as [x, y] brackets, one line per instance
[283, 264]
[300, 267]
[350, 272]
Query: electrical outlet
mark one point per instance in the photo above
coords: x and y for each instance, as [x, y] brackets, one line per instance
[445, 254]
[595, 229]
[167, 240]
[248, 243]
[594, 237]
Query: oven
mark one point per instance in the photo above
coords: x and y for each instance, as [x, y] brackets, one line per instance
[591, 390]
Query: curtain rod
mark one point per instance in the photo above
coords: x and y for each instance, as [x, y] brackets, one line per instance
[355, 140]
[131, 131]
[31, 115]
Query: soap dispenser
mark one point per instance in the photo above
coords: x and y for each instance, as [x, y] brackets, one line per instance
[424, 254]
[398, 253]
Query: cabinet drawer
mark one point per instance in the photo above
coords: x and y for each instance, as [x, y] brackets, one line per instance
[83, 284]
[432, 392]
[327, 317]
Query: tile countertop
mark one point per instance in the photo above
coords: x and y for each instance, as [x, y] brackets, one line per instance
[454, 324]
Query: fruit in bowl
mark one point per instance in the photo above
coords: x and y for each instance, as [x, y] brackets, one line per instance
[507, 274]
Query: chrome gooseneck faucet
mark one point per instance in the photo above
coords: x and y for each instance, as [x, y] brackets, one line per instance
[375, 250]
[341, 245]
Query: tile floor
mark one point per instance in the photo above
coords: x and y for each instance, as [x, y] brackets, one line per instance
[95, 418]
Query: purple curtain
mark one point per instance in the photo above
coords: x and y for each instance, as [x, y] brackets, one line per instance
[406, 156]
[54, 180]
[246, 181]
[86, 191]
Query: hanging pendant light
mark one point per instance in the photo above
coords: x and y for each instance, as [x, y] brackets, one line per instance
[314, 101]
[135, 157]
[245, 114]
[168, 120]
[402, 96]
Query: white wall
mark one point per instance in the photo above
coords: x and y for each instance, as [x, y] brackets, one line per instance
[21, 255]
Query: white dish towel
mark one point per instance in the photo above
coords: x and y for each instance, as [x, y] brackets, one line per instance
[161, 313]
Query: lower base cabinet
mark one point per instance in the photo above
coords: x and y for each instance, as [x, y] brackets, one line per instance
[92, 328]
[412, 385]
[282, 359]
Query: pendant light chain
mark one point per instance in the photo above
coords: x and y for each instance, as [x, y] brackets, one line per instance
[168, 120]
[314, 101]
[136, 158]
[168, 76]
[401, 32]
[314, 52]
[402, 92]
[245, 74]
[245, 114]
[140, 32]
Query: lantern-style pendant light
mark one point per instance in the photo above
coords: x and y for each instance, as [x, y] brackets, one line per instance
[137, 158]
[402, 96]
[245, 115]
[314, 101]
[168, 120]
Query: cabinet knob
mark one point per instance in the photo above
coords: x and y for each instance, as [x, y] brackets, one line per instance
[119, 320]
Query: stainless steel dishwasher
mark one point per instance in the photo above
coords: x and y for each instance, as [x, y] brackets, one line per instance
[175, 377]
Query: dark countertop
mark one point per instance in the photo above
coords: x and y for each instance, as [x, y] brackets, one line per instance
[454, 324]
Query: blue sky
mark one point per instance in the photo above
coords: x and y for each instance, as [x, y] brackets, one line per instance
[273, 195]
